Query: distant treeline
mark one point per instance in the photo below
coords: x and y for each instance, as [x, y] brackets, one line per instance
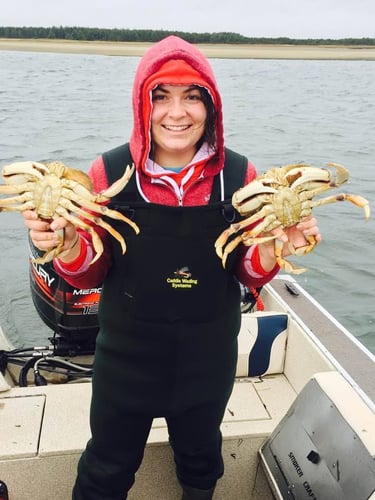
[135, 35]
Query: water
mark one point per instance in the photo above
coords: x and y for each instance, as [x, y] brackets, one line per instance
[73, 107]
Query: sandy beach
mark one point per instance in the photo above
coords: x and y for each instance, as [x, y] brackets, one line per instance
[252, 51]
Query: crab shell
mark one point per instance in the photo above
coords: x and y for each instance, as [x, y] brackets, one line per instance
[54, 190]
[281, 198]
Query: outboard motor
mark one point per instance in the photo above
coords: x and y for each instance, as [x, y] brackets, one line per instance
[71, 313]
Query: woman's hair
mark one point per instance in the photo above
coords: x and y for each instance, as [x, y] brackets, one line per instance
[209, 135]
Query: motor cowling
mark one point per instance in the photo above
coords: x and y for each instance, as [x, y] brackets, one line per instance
[71, 313]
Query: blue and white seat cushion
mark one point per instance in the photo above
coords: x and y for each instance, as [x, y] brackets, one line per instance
[262, 344]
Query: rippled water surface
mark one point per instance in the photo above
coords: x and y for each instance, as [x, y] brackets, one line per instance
[73, 107]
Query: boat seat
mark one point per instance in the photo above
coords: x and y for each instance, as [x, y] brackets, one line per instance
[262, 344]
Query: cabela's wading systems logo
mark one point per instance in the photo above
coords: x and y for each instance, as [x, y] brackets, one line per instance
[182, 278]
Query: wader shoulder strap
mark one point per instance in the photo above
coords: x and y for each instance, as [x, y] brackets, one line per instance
[235, 168]
[115, 162]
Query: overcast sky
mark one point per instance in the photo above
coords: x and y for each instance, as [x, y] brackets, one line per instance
[269, 18]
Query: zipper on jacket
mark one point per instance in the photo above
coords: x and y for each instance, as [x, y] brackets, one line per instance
[172, 187]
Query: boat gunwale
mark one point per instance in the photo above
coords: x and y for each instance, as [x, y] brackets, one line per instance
[346, 353]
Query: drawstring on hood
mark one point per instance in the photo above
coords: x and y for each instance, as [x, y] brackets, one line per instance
[176, 62]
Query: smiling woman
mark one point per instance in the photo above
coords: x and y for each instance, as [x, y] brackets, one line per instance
[169, 312]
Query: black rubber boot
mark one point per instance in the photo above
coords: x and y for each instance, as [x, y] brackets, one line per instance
[189, 493]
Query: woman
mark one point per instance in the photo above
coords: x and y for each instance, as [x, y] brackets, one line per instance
[169, 312]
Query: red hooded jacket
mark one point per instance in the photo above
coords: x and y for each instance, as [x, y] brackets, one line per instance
[170, 61]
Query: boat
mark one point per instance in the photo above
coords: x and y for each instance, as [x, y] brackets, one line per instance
[300, 423]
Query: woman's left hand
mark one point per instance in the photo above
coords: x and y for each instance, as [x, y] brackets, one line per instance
[295, 235]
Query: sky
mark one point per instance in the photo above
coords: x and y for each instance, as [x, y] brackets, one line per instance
[254, 18]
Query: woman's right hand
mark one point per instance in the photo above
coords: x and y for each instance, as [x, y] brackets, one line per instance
[47, 235]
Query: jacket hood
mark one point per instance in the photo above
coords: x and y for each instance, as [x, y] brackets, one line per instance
[170, 61]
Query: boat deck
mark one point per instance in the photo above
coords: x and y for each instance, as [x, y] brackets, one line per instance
[43, 430]
[49, 429]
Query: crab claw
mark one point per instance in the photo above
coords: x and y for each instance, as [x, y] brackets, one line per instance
[284, 264]
[360, 202]
[342, 174]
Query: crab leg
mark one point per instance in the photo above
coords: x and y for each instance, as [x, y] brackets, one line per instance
[102, 209]
[28, 205]
[96, 241]
[238, 226]
[16, 199]
[283, 263]
[14, 189]
[84, 191]
[25, 168]
[99, 222]
[113, 232]
[248, 199]
[79, 189]
[311, 242]
[228, 249]
[247, 238]
[96, 220]
[117, 186]
[246, 241]
[356, 199]
[49, 255]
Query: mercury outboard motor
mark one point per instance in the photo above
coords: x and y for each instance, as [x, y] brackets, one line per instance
[71, 313]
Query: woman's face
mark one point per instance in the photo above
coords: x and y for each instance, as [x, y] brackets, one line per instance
[178, 121]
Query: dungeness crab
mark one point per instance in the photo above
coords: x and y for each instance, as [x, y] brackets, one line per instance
[279, 199]
[53, 190]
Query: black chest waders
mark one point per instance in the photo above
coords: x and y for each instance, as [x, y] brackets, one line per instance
[167, 346]
[169, 312]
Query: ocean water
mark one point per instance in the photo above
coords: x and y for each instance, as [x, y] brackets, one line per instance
[73, 107]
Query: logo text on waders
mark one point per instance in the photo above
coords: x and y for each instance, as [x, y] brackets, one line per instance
[182, 278]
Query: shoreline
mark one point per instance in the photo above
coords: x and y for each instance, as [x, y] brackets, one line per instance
[219, 51]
